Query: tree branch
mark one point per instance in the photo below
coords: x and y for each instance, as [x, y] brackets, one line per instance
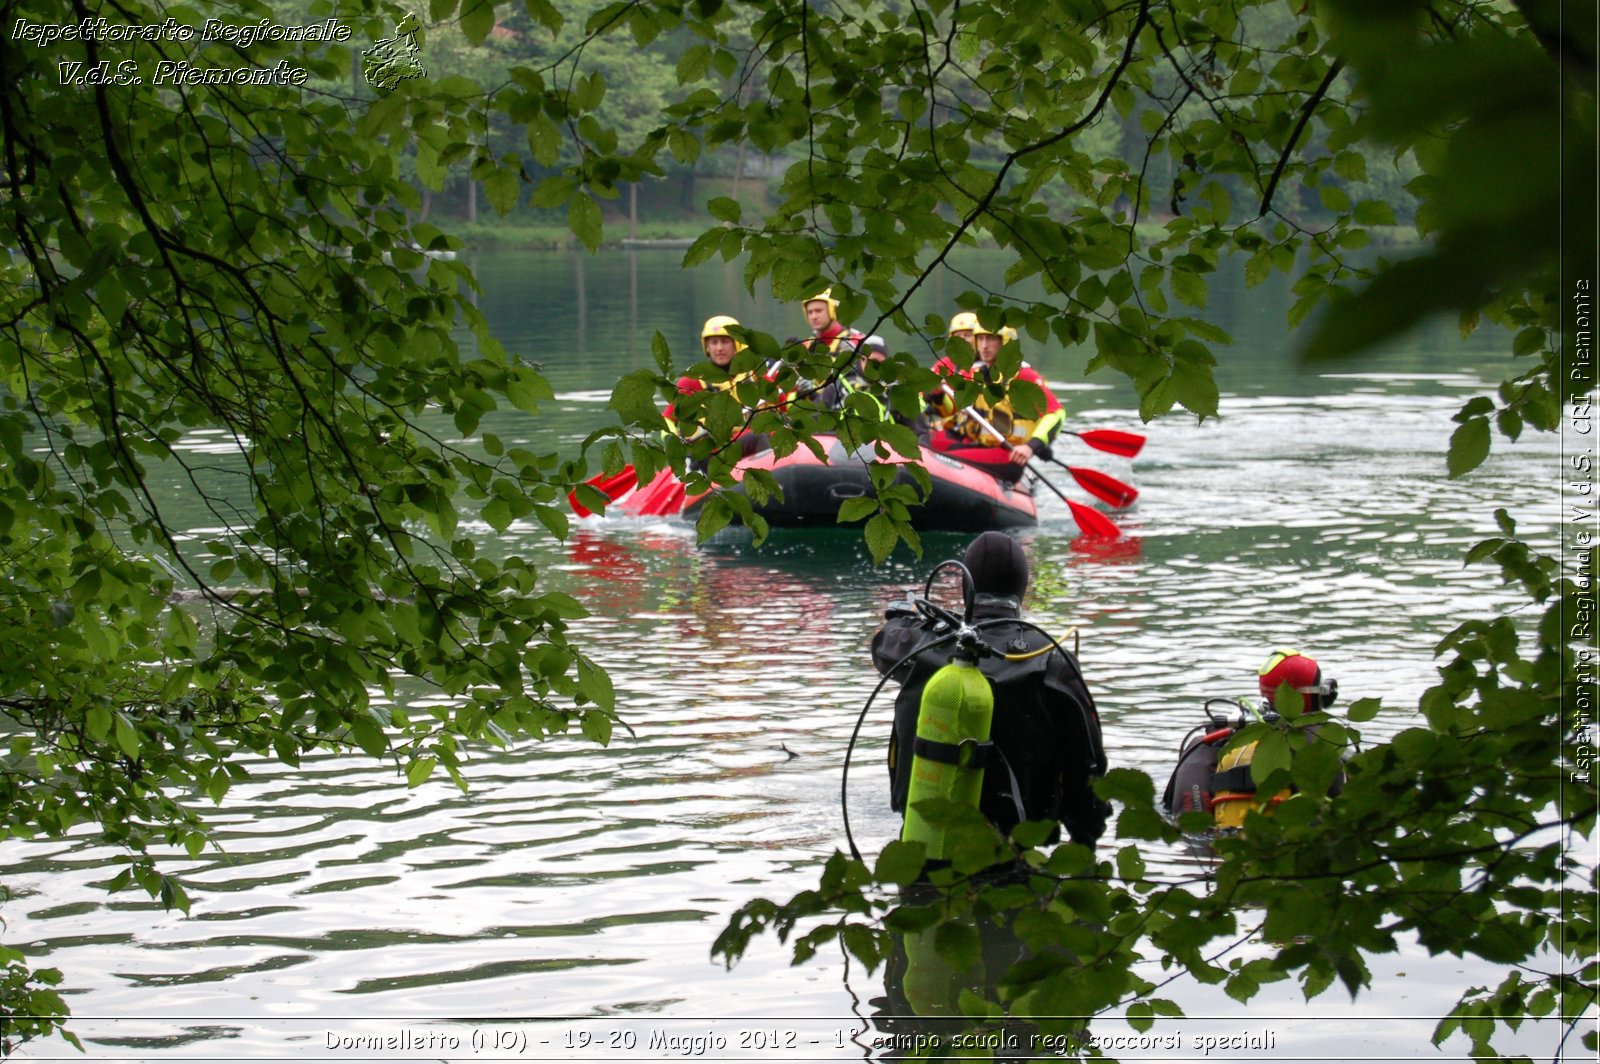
[1294, 135]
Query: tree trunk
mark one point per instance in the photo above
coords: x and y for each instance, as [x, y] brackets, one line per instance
[738, 172]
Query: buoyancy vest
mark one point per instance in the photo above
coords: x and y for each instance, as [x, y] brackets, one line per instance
[835, 336]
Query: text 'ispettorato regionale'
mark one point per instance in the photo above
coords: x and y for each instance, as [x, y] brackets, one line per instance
[129, 71]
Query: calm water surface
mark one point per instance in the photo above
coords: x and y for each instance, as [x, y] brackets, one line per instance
[585, 886]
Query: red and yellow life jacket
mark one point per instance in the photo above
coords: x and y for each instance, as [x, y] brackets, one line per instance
[1017, 430]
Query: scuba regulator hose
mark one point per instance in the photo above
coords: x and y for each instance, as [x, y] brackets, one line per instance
[956, 630]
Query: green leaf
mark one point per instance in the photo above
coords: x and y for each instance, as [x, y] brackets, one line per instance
[369, 736]
[127, 736]
[1130, 864]
[1195, 387]
[900, 863]
[1271, 755]
[477, 19]
[1469, 446]
[1350, 165]
[544, 141]
[526, 389]
[418, 771]
[882, 535]
[596, 726]
[725, 209]
[503, 189]
[583, 218]
[857, 509]
[694, 63]
[497, 512]
[1528, 341]
[634, 398]
[554, 191]
[546, 15]
[595, 685]
[957, 945]
[1374, 212]
[1363, 709]
[98, 720]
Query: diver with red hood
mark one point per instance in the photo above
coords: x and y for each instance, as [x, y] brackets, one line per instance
[1210, 778]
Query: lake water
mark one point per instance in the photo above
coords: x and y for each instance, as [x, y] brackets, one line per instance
[565, 906]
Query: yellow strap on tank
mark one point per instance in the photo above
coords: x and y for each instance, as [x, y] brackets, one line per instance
[1072, 633]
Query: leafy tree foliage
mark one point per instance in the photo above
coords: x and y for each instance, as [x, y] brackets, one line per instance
[191, 257]
[236, 260]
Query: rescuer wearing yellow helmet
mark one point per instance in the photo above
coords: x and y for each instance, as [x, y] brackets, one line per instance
[963, 326]
[721, 347]
[965, 437]
[822, 315]
[953, 363]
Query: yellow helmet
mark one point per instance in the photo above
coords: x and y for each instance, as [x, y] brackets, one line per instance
[825, 296]
[964, 321]
[1006, 333]
[718, 326]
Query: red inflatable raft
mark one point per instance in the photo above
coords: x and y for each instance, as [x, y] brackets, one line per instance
[964, 498]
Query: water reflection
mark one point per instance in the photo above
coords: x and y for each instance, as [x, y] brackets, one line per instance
[930, 992]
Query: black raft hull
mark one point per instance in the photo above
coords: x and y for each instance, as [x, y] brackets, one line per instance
[964, 498]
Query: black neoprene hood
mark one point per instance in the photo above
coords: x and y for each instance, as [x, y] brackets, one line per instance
[998, 565]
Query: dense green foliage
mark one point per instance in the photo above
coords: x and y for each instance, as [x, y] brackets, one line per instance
[244, 259]
[237, 259]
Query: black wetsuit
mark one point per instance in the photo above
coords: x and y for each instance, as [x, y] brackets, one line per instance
[1045, 722]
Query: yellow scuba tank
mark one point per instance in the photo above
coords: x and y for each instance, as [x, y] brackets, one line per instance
[953, 722]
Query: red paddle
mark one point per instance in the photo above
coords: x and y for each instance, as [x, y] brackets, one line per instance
[612, 486]
[1090, 522]
[1112, 441]
[662, 497]
[1106, 488]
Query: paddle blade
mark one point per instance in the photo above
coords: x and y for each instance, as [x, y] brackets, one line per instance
[1093, 523]
[662, 497]
[1106, 488]
[1112, 441]
[612, 486]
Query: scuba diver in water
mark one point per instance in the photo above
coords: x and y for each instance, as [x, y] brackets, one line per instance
[1207, 780]
[994, 715]
[1044, 740]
